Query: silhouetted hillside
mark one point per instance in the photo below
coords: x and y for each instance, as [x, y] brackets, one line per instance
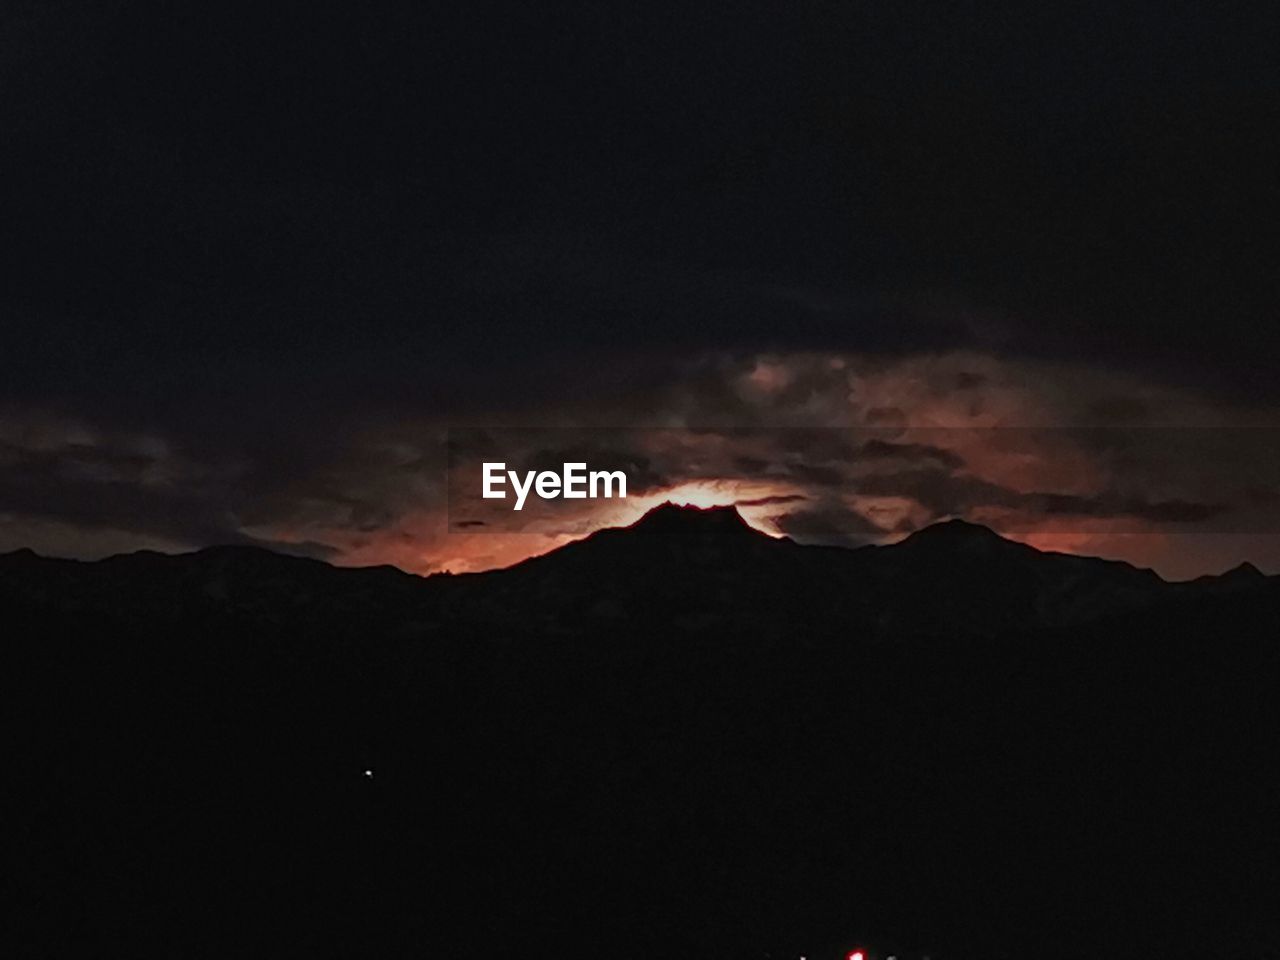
[682, 738]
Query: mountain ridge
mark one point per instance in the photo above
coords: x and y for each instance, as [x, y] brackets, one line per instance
[676, 561]
[673, 519]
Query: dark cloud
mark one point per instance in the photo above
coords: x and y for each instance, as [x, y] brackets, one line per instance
[946, 494]
[101, 487]
[1114, 505]
[818, 475]
[67, 472]
[887, 450]
[409, 212]
[771, 500]
[886, 416]
[969, 380]
[829, 522]
[292, 249]
[750, 466]
[1122, 410]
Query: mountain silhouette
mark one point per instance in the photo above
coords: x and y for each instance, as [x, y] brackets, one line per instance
[956, 534]
[679, 738]
[670, 550]
[679, 561]
[670, 519]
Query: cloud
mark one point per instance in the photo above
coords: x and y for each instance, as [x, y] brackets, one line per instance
[947, 494]
[859, 447]
[886, 450]
[830, 522]
[771, 501]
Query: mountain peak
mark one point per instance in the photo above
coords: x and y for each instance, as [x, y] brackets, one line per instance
[674, 518]
[955, 532]
[1244, 571]
[1241, 575]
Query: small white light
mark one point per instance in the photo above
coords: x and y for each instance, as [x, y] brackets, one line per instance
[368, 773]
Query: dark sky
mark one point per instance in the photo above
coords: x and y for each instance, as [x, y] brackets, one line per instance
[256, 254]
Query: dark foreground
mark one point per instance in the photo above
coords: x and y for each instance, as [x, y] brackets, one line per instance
[683, 740]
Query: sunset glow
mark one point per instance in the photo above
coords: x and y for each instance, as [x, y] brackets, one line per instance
[665, 481]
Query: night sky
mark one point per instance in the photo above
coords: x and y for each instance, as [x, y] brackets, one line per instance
[261, 259]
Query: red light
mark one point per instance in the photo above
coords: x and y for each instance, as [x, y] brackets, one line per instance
[857, 955]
